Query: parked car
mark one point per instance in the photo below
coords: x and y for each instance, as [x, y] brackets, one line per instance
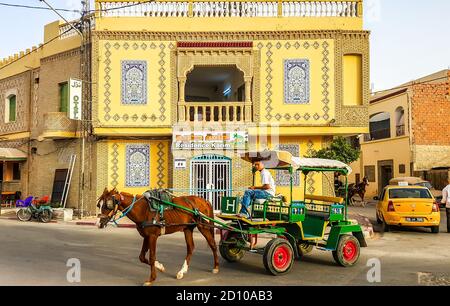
[408, 206]
[417, 181]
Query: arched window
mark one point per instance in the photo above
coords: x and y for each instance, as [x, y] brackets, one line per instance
[10, 108]
[380, 126]
[400, 121]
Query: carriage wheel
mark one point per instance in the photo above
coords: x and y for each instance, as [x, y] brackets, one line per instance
[348, 251]
[278, 256]
[229, 249]
[304, 248]
[24, 214]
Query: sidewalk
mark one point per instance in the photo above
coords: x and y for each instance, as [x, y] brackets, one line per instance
[10, 214]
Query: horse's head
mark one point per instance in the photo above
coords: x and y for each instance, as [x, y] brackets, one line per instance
[108, 203]
[366, 181]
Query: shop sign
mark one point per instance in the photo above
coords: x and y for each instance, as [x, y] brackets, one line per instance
[235, 140]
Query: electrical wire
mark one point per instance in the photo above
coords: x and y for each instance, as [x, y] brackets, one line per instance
[37, 7]
[39, 47]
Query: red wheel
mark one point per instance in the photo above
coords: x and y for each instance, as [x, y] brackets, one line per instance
[348, 251]
[278, 256]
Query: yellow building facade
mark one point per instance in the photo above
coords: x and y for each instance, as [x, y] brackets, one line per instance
[170, 77]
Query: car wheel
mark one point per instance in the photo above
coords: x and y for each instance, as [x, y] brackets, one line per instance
[386, 227]
[435, 229]
[379, 221]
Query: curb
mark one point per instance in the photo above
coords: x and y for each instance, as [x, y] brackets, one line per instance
[85, 223]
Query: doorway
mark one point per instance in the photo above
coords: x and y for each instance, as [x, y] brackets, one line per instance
[211, 178]
[385, 173]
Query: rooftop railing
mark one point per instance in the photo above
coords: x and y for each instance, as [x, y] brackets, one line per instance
[227, 9]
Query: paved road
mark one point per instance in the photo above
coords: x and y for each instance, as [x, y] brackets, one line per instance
[36, 254]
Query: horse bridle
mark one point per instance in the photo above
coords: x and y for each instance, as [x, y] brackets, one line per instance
[113, 206]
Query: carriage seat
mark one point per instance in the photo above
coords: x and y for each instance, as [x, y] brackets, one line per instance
[332, 200]
[276, 198]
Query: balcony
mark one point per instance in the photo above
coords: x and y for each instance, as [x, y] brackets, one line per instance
[58, 125]
[230, 9]
[215, 112]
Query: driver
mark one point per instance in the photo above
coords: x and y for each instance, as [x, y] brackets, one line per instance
[267, 190]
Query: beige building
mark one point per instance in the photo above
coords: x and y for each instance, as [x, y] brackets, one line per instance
[409, 134]
[37, 138]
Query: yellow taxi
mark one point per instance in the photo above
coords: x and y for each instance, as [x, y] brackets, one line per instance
[408, 206]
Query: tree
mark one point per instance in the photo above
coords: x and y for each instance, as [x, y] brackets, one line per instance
[340, 149]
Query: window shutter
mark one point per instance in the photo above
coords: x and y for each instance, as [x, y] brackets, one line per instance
[12, 109]
[64, 97]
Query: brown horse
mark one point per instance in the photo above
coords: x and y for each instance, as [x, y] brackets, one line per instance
[175, 220]
[358, 189]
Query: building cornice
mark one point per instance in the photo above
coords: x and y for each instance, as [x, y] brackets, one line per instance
[235, 36]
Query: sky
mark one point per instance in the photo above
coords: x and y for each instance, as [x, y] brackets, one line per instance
[409, 38]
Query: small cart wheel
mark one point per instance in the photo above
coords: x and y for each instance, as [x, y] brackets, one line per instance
[348, 251]
[229, 249]
[278, 256]
[305, 248]
[24, 214]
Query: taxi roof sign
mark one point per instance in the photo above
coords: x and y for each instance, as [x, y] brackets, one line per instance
[403, 184]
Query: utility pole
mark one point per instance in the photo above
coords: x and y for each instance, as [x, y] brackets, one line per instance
[85, 146]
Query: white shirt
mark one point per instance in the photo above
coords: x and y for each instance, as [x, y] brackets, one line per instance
[446, 196]
[267, 179]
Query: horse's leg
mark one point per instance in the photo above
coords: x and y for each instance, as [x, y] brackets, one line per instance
[188, 236]
[144, 259]
[362, 194]
[144, 250]
[208, 233]
[152, 258]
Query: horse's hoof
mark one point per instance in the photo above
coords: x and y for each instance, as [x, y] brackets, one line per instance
[160, 267]
[147, 284]
[180, 275]
[215, 271]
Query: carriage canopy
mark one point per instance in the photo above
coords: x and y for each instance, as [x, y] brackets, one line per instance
[283, 159]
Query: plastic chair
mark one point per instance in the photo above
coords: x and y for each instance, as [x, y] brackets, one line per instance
[24, 203]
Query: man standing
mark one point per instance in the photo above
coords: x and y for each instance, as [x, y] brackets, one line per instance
[446, 201]
[265, 191]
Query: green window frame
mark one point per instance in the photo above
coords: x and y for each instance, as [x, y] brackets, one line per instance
[12, 100]
[64, 97]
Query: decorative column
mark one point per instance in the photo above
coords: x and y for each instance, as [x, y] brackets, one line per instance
[181, 101]
[248, 100]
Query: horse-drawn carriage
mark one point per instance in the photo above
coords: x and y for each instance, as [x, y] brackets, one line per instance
[299, 224]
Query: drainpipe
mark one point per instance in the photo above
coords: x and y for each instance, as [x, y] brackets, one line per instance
[411, 133]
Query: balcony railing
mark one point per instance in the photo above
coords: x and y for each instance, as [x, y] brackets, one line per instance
[220, 112]
[59, 122]
[378, 135]
[400, 130]
[236, 8]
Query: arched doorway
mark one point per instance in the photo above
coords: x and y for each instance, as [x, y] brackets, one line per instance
[211, 178]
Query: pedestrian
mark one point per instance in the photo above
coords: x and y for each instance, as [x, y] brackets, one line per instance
[446, 201]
